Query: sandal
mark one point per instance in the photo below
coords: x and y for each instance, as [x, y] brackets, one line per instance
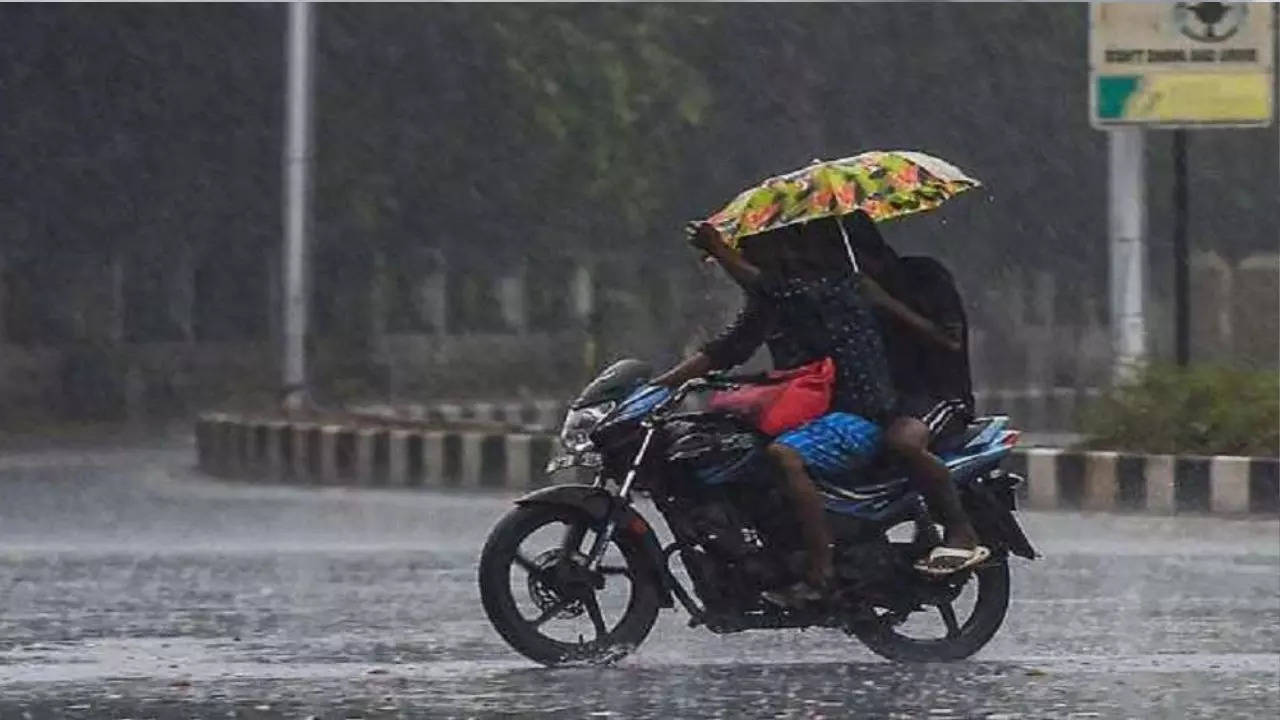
[793, 597]
[801, 594]
[943, 561]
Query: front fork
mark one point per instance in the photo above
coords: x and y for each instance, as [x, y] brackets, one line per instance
[622, 501]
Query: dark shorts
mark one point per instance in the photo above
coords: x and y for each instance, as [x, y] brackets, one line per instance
[943, 417]
[834, 444]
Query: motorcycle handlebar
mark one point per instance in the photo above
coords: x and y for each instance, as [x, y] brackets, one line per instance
[759, 378]
[712, 381]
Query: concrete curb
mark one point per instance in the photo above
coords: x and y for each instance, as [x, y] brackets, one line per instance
[304, 453]
[1151, 484]
[238, 448]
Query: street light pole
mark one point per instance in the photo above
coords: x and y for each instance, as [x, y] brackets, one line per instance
[297, 178]
[1128, 220]
[1181, 252]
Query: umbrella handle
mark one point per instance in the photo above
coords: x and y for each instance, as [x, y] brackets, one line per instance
[848, 246]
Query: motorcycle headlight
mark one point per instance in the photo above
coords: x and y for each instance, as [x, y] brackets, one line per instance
[579, 423]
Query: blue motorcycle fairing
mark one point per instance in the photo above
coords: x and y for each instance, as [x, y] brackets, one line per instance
[877, 502]
[991, 433]
[889, 507]
[638, 404]
[964, 467]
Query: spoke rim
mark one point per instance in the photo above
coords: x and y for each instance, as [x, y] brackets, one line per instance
[571, 542]
[902, 625]
[575, 590]
[948, 614]
[527, 564]
[597, 617]
[549, 613]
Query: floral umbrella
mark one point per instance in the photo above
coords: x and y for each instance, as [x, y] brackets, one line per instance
[883, 184]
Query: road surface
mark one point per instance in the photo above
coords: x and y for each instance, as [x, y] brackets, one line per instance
[133, 588]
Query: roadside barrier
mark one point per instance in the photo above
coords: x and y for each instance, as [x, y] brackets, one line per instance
[358, 454]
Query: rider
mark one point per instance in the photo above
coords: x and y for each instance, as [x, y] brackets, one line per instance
[935, 396]
[809, 303]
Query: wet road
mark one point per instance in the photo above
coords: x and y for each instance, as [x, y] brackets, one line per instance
[134, 589]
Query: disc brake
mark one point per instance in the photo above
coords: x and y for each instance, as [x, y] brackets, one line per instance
[545, 595]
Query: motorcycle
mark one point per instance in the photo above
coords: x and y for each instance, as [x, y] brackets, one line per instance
[576, 574]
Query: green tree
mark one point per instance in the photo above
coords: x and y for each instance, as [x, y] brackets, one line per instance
[611, 99]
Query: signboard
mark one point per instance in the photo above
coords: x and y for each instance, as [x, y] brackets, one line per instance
[1181, 64]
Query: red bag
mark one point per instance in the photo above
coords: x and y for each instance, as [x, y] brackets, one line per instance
[794, 398]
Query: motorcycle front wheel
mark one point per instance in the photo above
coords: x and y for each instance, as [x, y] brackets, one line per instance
[548, 605]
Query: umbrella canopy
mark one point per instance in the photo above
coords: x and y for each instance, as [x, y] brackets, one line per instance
[883, 184]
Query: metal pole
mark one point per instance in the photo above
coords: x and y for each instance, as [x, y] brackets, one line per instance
[297, 171]
[1128, 211]
[1181, 291]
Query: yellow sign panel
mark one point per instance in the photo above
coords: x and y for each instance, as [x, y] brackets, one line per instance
[1182, 64]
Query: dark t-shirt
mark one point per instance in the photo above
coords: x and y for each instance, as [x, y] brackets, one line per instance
[918, 366]
[756, 323]
[805, 319]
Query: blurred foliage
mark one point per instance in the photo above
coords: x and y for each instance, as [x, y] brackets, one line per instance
[565, 104]
[498, 135]
[487, 139]
[1194, 411]
[609, 95]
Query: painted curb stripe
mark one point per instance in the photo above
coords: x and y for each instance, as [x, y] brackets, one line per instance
[433, 459]
[398, 459]
[1264, 486]
[1191, 485]
[1042, 476]
[1101, 487]
[1161, 484]
[1131, 483]
[1229, 485]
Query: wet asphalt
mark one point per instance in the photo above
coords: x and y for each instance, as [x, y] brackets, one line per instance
[134, 588]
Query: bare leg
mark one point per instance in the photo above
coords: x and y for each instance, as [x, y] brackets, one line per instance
[809, 511]
[909, 438]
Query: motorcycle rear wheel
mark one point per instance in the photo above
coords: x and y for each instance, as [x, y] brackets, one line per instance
[989, 610]
[502, 551]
